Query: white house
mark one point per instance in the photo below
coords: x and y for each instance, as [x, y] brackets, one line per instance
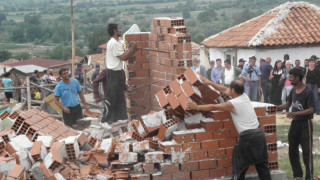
[292, 28]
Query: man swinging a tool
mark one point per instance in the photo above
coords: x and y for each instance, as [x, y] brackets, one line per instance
[115, 75]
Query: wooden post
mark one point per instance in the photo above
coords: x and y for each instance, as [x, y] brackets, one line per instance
[72, 38]
[28, 93]
[85, 80]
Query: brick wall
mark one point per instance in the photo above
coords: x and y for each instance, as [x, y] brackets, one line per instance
[167, 53]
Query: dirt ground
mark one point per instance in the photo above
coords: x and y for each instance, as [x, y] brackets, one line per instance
[283, 120]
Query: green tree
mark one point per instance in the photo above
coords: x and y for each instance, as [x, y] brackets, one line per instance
[64, 52]
[245, 15]
[186, 13]
[4, 55]
[21, 56]
[3, 17]
[32, 19]
[17, 34]
[97, 37]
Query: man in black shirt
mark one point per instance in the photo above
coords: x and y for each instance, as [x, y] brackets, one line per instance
[212, 63]
[300, 132]
[285, 59]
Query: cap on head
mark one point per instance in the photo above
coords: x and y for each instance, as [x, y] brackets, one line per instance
[211, 62]
[97, 65]
[314, 57]
[286, 56]
[79, 65]
[242, 60]
[262, 60]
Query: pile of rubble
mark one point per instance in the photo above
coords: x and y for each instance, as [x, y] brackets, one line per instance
[173, 143]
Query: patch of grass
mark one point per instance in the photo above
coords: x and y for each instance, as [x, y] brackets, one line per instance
[11, 46]
[284, 165]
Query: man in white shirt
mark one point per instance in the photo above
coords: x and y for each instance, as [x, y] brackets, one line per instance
[251, 148]
[116, 79]
[229, 73]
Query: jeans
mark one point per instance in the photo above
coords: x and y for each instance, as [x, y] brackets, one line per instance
[251, 89]
[314, 88]
[266, 90]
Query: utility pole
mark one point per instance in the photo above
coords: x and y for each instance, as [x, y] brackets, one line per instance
[72, 36]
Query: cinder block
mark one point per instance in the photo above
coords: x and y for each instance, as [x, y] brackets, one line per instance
[154, 157]
[260, 111]
[128, 158]
[267, 120]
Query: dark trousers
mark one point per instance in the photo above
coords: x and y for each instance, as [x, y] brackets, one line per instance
[262, 169]
[300, 133]
[266, 90]
[117, 109]
[8, 95]
[74, 115]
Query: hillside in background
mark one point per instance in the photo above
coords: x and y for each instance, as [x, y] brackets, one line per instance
[42, 27]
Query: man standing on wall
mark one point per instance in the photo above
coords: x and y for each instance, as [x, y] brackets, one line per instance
[115, 74]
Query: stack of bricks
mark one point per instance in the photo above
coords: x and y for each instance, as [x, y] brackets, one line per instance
[35, 122]
[166, 53]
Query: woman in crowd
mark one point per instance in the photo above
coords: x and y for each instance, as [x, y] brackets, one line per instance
[275, 76]
[287, 83]
[312, 78]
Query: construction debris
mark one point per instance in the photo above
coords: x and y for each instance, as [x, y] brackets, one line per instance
[173, 143]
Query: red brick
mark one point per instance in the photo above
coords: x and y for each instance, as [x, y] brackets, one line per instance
[197, 156]
[251, 169]
[181, 176]
[226, 162]
[260, 111]
[273, 156]
[234, 133]
[209, 145]
[229, 171]
[221, 134]
[142, 44]
[221, 115]
[189, 166]
[267, 120]
[161, 176]
[228, 124]
[144, 36]
[192, 78]
[203, 136]
[161, 97]
[167, 149]
[203, 174]
[229, 152]
[182, 138]
[148, 168]
[223, 143]
[191, 147]
[189, 92]
[142, 73]
[169, 168]
[217, 154]
[271, 137]
[140, 177]
[212, 125]
[175, 86]
[142, 59]
[217, 173]
[194, 126]
[208, 164]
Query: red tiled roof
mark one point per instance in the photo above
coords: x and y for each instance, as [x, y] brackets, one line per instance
[103, 46]
[46, 63]
[292, 23]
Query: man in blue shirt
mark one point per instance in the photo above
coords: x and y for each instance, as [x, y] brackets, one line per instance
[68, 89]
[252, 77]
[7, 83]
[215, 73]
[265, 69]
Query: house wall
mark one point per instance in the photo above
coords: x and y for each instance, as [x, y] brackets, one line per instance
[275, 54]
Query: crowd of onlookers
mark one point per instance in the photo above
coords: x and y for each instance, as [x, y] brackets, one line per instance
[267, 82]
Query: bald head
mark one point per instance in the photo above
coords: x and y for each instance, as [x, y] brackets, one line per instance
[238, 86]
